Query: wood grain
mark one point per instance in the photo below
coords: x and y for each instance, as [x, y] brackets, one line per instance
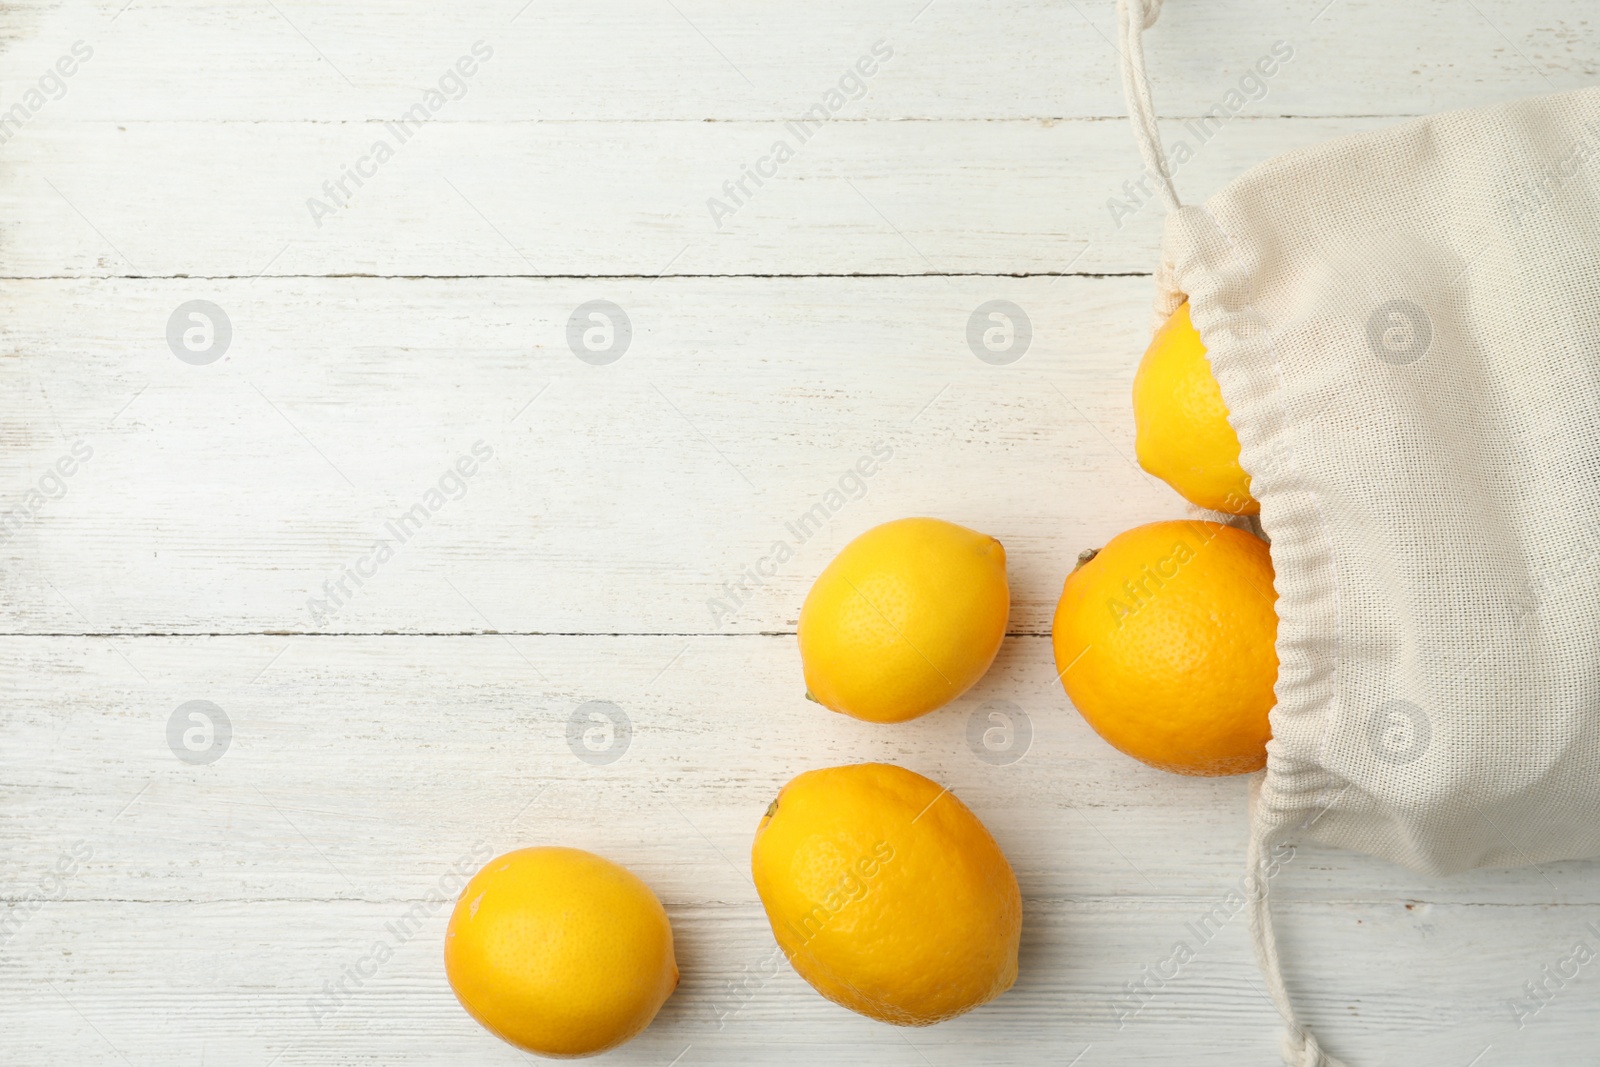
[630, 60]
[599, 199]
[216, 900]
[175, 531]
[620, 499]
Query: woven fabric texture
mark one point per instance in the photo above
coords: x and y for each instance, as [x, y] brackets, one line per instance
[1406, 328]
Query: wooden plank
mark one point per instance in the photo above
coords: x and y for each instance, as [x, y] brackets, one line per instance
[630, 497]
[237, 983]
[614, 198]
[205, 905]
[638, 59]
[360, 768]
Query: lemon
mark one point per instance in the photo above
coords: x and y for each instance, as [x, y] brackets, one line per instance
[559, 951]
[904, 620]
[1182, 432]
[887, 894]
[1164, 640]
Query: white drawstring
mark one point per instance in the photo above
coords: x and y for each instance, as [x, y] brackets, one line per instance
[1300, 1047]
[1133, 18]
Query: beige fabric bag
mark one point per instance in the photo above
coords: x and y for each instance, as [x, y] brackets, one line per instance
[1406, 328]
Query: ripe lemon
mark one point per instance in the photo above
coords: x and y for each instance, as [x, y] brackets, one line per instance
[904, 620]
[887, 894]
[559, 952]
[1182, 432]
[1164, 640]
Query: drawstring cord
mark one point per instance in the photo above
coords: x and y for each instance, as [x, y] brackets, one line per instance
[1300, 1047]
[1133, 18]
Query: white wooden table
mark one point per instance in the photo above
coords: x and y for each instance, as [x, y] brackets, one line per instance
[274, 890]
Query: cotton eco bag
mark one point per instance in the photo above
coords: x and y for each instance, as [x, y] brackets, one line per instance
[1406, 328]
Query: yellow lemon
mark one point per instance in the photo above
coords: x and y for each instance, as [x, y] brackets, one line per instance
[1182, 432]
[904, 620]
[1164, 640]
[559, 952]
[887, 894]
